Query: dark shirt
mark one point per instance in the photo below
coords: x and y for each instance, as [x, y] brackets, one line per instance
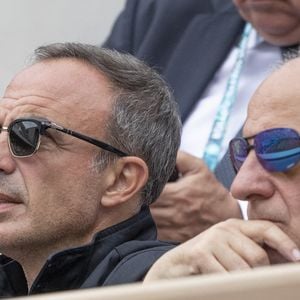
[122, 253]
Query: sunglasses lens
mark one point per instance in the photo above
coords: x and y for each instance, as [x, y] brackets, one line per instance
[238, 152]
[278, 149]
[24, 137]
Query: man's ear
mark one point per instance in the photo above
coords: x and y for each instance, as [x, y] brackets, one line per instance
[126, 179]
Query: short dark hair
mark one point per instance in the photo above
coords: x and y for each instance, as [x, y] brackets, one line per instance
[144, 121]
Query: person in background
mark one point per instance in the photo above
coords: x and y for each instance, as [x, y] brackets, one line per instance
[267, 160]
[88, 140]
[213, 54]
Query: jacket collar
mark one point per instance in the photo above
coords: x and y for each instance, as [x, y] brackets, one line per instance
[61, 270]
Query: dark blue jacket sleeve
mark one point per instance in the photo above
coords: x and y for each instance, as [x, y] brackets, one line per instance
[152, 28]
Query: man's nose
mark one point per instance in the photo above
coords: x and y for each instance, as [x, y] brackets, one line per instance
[252, 179]
[7, 162]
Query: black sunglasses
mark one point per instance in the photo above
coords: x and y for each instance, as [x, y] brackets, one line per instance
[24, 136]
[277, 149]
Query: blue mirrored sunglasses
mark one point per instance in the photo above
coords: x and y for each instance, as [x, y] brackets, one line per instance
[277, 149]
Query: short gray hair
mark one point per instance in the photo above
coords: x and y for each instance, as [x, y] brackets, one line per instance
[144, 121]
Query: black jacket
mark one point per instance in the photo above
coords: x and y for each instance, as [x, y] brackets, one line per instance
[120, 254]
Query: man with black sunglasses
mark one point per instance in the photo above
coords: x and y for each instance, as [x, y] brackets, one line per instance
[88, 140]
[267, 162]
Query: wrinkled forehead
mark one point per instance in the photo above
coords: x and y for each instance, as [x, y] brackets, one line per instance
[64, 90]
[276, 103]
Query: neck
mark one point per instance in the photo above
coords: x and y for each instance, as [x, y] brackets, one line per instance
[33, 258]
[32, 265]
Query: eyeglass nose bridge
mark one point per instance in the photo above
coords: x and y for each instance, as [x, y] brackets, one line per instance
[6, 129]
[3, 128]
[249, 148]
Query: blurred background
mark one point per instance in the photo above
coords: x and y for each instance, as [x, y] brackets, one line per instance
[27, 24]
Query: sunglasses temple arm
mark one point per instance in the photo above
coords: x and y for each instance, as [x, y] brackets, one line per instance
[88, 139]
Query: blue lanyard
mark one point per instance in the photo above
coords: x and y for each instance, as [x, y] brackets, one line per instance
[214, 143]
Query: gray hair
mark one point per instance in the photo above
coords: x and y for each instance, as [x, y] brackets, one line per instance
[144, 120]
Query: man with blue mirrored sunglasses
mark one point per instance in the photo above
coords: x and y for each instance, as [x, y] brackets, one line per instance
[198, 59]
[267, 163]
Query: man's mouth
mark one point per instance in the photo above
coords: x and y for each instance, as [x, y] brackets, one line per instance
[7, 202]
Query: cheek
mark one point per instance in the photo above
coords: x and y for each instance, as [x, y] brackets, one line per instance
[66, 201]
[57, 189]
[241, 6]
[295, 6]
